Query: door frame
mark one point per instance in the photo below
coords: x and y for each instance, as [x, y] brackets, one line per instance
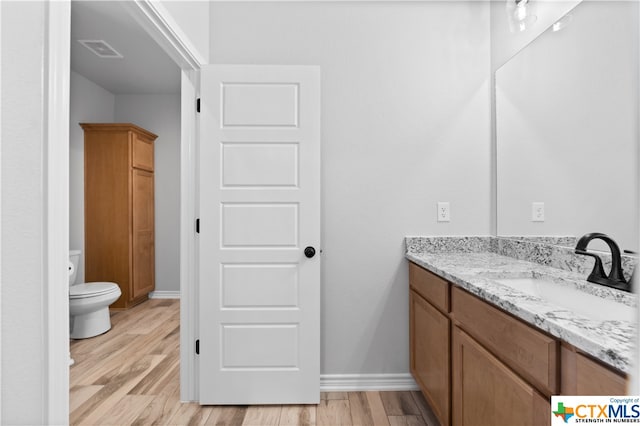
[56, 209]
[156, 21]
[160, 25]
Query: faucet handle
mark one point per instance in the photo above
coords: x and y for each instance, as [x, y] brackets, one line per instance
[632, 278]
[597, 275]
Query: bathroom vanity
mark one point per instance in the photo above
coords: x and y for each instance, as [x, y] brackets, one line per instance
[484, 351]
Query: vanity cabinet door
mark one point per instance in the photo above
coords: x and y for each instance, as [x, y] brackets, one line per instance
[583, 376]
[430, 354]
[142, 148]
[143, 234]
[486, 392]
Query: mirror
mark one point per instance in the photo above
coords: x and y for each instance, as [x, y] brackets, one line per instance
[567, 128]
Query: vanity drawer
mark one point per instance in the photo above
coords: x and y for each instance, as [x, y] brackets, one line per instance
[529, 352]
[430, 286]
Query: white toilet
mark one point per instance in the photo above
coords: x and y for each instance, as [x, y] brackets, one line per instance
[89, 303]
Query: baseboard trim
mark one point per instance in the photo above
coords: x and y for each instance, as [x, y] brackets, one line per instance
[164, 294]
[367, 382]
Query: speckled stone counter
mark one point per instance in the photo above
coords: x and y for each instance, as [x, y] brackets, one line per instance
[474, 263]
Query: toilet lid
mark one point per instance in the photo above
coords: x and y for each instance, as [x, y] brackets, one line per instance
[80, 291]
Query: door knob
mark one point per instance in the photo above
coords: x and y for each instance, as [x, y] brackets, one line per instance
[309, 252]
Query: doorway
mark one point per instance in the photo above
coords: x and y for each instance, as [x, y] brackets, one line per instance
[144, 26]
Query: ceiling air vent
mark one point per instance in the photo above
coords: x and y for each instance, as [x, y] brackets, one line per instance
[100, 48]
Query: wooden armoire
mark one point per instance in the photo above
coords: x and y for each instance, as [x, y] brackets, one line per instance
[118, 209]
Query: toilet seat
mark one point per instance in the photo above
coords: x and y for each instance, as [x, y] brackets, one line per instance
[86, 290]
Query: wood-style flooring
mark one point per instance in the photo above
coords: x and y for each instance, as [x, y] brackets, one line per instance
[130, 376]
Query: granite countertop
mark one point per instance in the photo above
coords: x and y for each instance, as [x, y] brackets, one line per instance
[474, 265]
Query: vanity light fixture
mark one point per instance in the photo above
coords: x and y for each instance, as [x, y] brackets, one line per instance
[521, 9]
[520, 15]
[562, 23]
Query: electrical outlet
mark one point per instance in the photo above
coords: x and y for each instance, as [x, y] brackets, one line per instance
[444, 213]
[537, 212]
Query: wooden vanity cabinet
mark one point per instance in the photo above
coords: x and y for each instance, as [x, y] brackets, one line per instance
[477, 364]
[119, 209]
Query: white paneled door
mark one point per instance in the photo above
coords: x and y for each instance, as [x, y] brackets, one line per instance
[259, 301]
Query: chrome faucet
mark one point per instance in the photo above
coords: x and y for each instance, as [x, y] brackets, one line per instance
[615, 278]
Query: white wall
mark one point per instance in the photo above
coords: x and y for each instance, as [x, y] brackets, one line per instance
[405, 123]
[160, 114]
[192, 18]
[1, 391]
[23, 141]
[88, 103]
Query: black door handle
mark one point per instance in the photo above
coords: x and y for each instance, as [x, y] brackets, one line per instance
[309, 252]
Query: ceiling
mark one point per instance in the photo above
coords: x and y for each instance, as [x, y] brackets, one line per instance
[144, 67]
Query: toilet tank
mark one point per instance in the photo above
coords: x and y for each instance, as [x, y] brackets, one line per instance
[74, 258]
